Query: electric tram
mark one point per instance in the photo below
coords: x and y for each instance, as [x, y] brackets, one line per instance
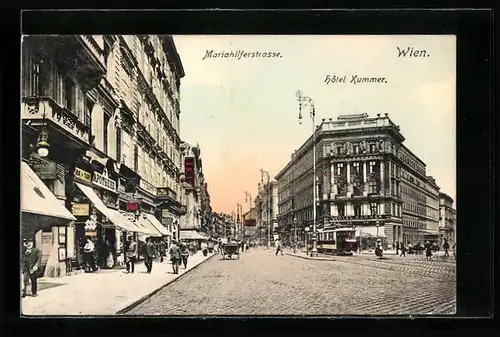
[335, 241]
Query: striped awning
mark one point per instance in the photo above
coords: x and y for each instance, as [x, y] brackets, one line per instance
[157, 224]
[114, 216]
[36, 198]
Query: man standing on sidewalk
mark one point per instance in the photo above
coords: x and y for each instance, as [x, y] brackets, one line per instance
[149, 252]
[31, 264]
[175, 256]
[162, 248]
[131, 254]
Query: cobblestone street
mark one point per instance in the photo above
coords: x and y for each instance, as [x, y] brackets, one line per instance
[261, 283]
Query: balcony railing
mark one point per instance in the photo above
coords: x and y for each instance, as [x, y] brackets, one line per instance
[35, 110]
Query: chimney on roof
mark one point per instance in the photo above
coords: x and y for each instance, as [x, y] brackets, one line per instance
[378, 115]
[386, 114]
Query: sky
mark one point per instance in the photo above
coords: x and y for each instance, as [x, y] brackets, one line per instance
[243, 112]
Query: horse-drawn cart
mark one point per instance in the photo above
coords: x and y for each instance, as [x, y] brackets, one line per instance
[231, 249]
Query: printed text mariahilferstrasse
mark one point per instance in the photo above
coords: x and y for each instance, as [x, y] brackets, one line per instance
[239, 54]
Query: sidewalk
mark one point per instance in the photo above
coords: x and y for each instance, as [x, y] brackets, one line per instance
[105, 292]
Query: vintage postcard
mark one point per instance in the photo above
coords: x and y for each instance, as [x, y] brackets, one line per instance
[238, 175]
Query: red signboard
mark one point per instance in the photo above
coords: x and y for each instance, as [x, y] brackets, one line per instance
[250, 223]
[189, 170]
[132, 206]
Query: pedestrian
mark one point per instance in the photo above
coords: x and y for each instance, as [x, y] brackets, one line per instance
[149, 254]
[131, 254]
[428, 251]
[246, 247]
[31, 266]
[279, 249]
[454, 249]
[204, 248]
[88, 255]
[175, 256]
[403, 250]
[397, 247]
[446, 246]
[162, 248]
[184, 254]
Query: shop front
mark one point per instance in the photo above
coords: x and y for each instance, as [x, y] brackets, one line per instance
[102, 222]
[42, 213]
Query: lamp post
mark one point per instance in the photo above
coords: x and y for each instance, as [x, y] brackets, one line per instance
[268, 202]
[307, 101]
[42, 144]
[239, 217]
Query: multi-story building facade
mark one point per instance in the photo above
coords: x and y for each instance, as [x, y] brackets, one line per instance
[197, 218]
[268, 207]
[362, 171]
[110, 106]
[447, 219]
[250, 229]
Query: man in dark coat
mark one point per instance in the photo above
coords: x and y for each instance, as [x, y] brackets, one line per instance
[162, 248]
[175, 256]
[149, 252]
[31, 266]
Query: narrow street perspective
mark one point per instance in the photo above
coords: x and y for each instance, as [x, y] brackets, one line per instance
[261, 283]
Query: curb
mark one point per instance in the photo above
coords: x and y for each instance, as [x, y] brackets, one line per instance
[151, 294]
[311, 258]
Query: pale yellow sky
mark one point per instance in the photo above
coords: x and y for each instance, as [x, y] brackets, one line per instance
[243, 113]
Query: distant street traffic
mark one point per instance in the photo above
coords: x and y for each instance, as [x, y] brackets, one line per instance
[260, 283]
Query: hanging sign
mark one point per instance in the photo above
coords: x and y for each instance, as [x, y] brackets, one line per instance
[83, 175]
[80, 209]
[44, 169]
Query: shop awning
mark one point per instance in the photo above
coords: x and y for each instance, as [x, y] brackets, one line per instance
[146, 227]
[157, 224]
[36, 198]
[191, 235]
[114, 216]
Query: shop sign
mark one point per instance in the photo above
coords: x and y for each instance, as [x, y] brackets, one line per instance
[147, 187]
[80, 209]
[44, 169]
[132, 206]
[165, 213]
[90, 233]
[83, 175]
[104, 182]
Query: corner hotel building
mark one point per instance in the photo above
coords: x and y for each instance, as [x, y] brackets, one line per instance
[366, 177]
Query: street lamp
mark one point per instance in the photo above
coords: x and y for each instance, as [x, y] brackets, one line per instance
[307, 101]
[268, 201]
[42, 144]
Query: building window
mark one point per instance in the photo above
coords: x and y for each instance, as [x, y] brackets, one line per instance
[341, 209]
[89, 106]
[373, 209]
[69, 94]
[372, 187]
[136, 158]
[372, 167]
[356, 167]
[372, 148]
[339, 150]
[356, 149]
[118, 144]
[357, 209]
[339, 168]
[105, 134]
